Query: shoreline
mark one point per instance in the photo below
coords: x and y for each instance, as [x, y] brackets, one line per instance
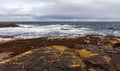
[105, 48]
[12, 45]
[93, 52]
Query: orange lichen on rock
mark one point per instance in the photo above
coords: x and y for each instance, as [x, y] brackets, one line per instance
[49, 61]
[85, 53]
[59, 48]
[91, 69]
[113, 41]
[75, 64]
[67, 54]
[107, 59]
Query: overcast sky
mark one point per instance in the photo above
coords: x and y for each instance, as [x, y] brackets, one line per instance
[81, 10]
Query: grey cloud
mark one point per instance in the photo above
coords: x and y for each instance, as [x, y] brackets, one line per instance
[64, 9]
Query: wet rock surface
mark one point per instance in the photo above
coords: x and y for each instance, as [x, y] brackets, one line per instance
[88, 53]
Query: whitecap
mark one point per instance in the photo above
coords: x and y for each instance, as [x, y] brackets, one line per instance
[31, 31]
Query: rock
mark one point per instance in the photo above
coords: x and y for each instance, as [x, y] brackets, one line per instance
[62, 54]
[89, 39]
[118, 69]
[3, 25]
[65, 29]
[99, 63]
[1, 36]
[59, 58]
[85, 53]
[110, 42]
[116, 45]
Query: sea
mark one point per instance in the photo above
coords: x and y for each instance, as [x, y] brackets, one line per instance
[28, 30]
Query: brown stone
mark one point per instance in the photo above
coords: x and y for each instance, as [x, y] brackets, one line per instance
[3, 25]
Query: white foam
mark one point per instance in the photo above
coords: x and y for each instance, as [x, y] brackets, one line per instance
[31, 31]
[27, 26]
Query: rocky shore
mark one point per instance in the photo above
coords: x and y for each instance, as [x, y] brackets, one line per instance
[5, 24]
[88, 53]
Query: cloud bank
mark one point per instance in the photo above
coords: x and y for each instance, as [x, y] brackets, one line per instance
[80, 10]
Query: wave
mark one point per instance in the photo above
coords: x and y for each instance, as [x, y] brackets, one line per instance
[55, 30]
[31, 31]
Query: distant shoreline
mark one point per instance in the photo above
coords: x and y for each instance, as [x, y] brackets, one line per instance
[59, 21]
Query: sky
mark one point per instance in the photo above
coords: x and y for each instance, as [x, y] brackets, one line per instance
[59, 10]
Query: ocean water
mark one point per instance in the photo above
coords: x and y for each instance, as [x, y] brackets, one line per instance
[59, 29]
